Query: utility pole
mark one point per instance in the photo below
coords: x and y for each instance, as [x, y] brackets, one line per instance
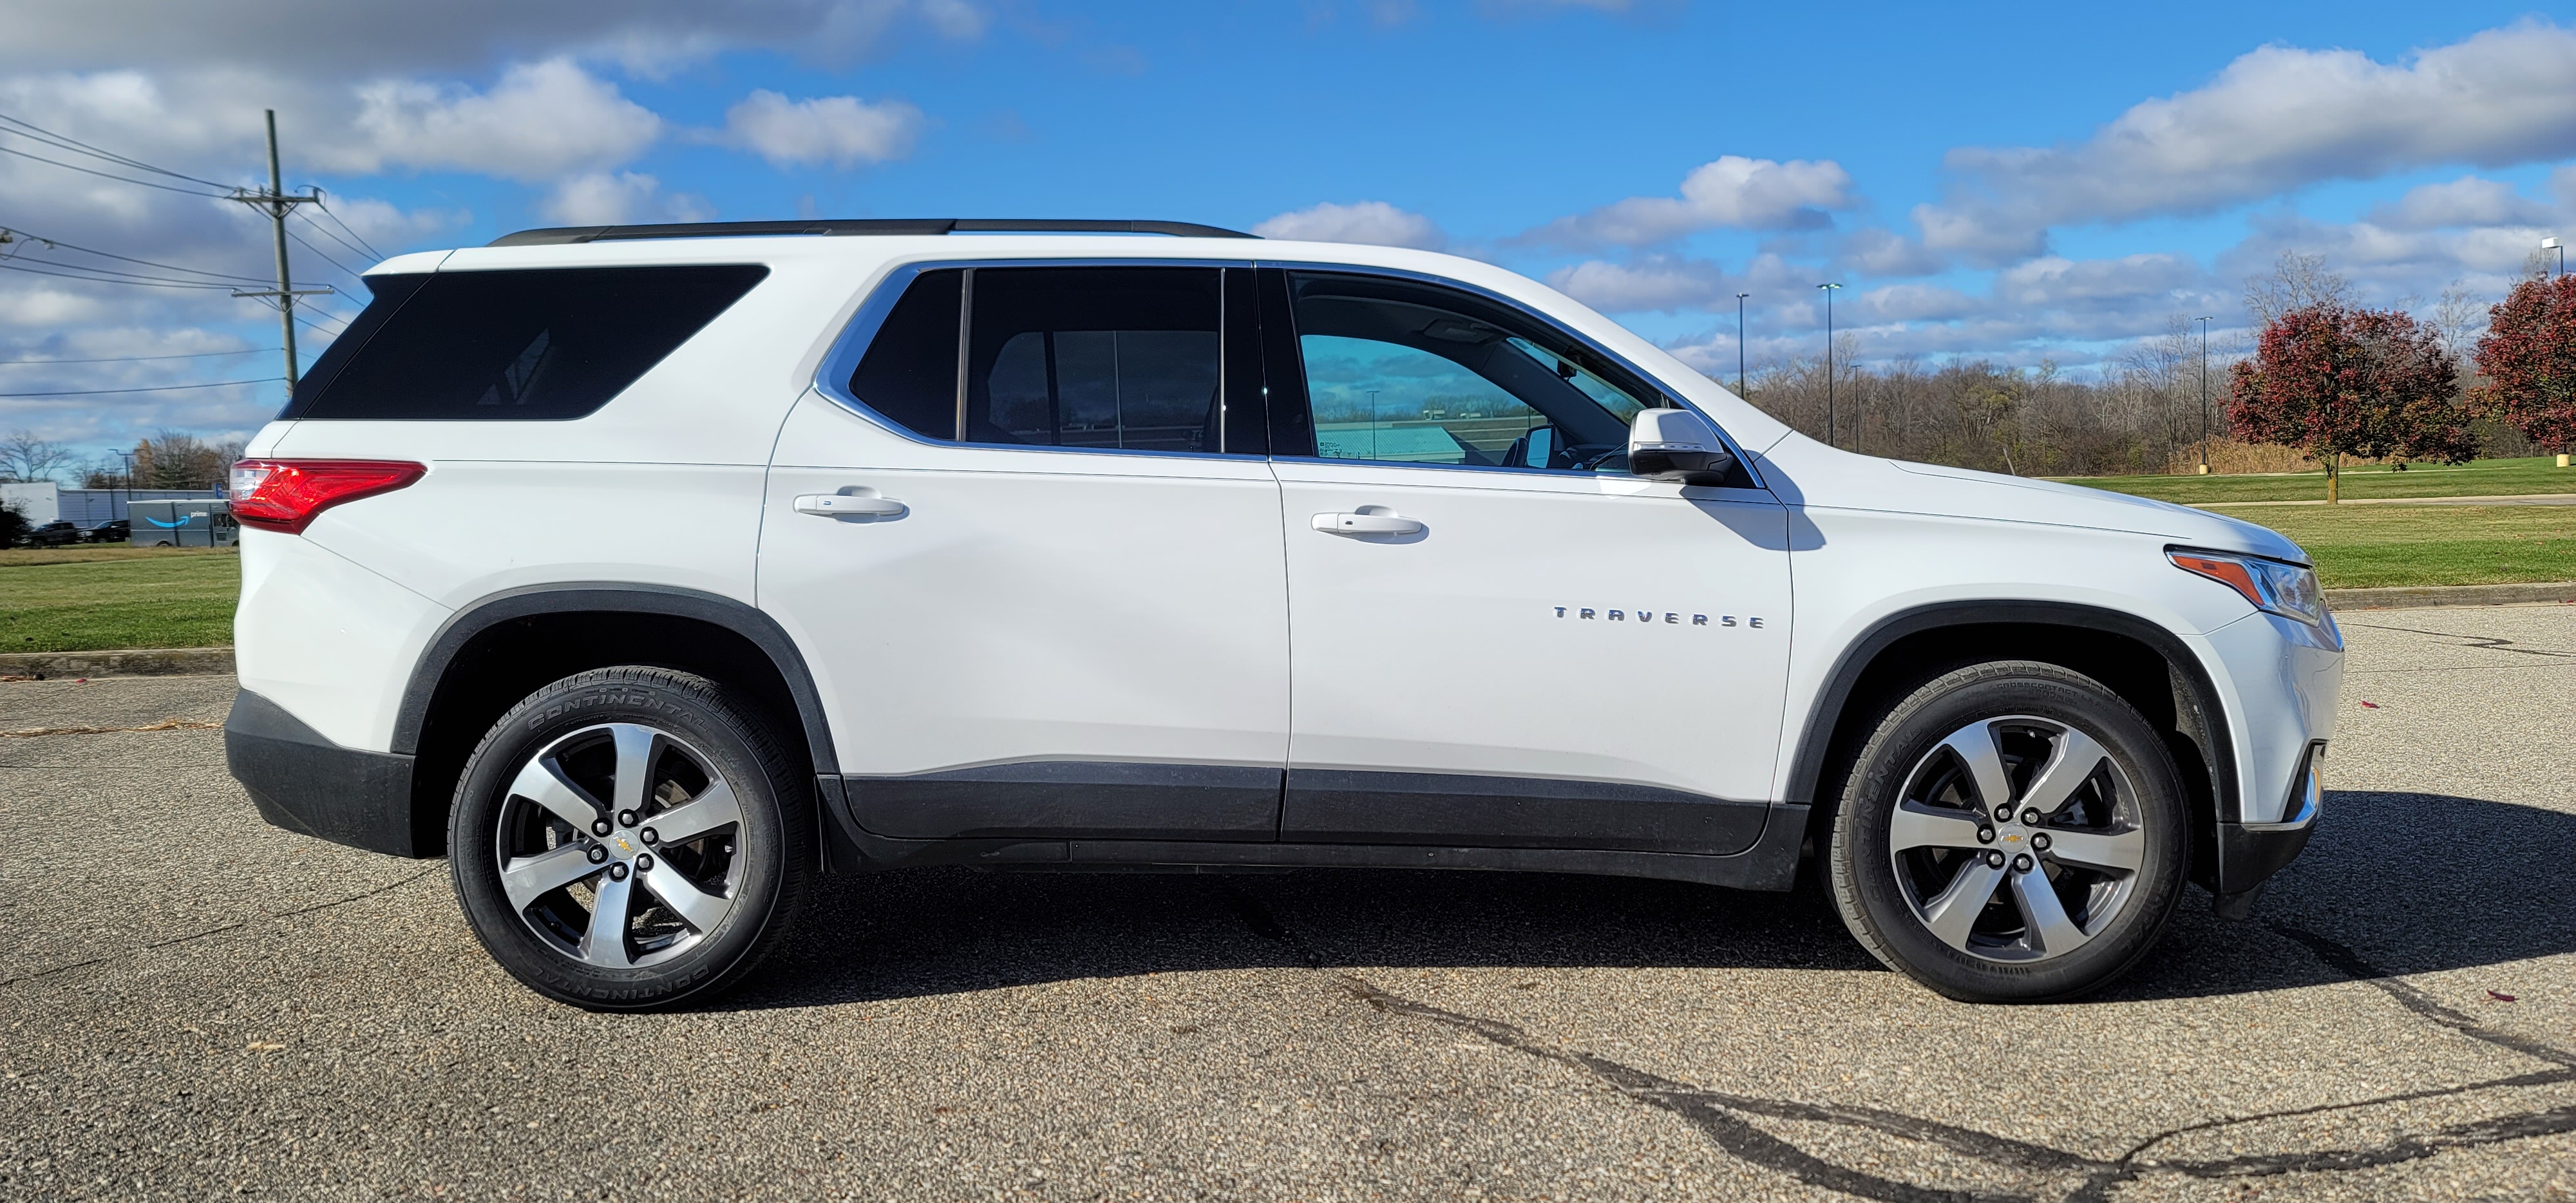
[276, 203]
[129, 495]
[1829, 290]
[2204, 395]
[1739, 342]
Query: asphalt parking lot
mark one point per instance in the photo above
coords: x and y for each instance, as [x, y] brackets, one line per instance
[198, 1004]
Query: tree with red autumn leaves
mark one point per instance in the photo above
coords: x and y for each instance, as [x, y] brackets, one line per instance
[2333, 382]
[2529, 359]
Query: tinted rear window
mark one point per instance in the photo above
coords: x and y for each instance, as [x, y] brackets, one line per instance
[535, 345]
[1116, 358]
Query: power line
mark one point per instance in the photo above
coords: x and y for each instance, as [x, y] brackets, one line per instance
[344, 268]
[158, 388]
[75, 145]
[351, 231]
[107, 175]
[4, 363]
[137, 281]
[56, 243]
[360, 247]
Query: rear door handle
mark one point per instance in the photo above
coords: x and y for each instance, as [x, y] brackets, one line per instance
[1366, 524]
[842, 505]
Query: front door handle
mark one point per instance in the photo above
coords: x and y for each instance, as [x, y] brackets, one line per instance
[1366, 524]
[843, 505]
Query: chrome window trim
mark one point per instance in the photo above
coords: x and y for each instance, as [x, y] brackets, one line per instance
[1662, 387]
[831, 379]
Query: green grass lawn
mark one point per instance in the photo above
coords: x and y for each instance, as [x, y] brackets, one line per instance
[2370, 546]
[2477, 478]
[94, 598]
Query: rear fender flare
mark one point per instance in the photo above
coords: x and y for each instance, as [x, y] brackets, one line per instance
[588, 596]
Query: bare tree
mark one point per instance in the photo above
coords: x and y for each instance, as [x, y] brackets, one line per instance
[2458, 317]
[2295, 281]
[173, 460]
[24, 457]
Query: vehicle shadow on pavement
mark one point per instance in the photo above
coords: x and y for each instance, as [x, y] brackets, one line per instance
[2392, 884]
[2403, 883]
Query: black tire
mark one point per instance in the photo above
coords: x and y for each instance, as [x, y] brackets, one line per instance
[2129, 806]
[744, 879]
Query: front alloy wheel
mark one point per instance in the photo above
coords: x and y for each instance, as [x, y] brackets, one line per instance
[2017, 873]
[2011, 832]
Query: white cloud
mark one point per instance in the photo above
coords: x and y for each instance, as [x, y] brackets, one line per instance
[1732, 191]
[2467, 201]
[2093, 283]
[1654, 283]
[541, 120]
[1880, 252]
[606, 199]
[1374, 222]
[337, 40]
[1917, 303]
[1984, 236]
[2276, 119]
[841, 130]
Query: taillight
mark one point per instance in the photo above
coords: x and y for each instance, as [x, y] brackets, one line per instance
[286, 494]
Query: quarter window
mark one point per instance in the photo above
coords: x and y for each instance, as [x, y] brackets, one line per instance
[535, 344]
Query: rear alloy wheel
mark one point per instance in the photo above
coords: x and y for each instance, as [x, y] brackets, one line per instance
[2013, 832]
[622, 840]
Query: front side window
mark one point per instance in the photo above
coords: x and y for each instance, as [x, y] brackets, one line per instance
[1108, 358]
[1400, 372]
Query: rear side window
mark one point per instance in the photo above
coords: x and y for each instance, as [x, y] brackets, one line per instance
[537, 345]
[1112, 358]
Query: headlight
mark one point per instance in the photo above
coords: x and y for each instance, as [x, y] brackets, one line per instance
[2289, 590]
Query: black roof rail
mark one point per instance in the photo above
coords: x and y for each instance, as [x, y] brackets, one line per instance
[879, 226]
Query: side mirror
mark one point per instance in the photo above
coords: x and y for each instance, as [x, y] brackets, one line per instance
[1678, 445]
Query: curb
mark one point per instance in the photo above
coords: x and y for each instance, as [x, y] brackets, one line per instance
[127, 662]
[2495, 499]
[2412, 597]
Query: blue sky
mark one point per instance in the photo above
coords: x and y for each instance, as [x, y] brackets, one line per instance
[2014, 181]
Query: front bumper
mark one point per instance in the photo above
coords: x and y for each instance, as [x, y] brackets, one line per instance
[2250, 853]
[305, 783]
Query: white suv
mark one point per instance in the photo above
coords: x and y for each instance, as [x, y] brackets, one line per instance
[646, 572]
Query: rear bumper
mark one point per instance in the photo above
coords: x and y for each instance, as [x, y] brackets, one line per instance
[305, 783]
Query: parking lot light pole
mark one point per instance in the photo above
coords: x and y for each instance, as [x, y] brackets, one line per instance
[1829, 290]
[2204, 395]
[2552, 244]
[1739, 342]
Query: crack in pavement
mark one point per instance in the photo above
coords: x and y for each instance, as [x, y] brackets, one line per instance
[2351, 964]
[2474, 642]
[168, 724]
[235, 925]
[1720, 1116]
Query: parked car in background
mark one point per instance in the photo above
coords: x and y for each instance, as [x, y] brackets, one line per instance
[114, 530]
[54, 534]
